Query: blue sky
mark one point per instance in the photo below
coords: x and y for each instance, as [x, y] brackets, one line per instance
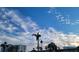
[45, 19]
[54, 24]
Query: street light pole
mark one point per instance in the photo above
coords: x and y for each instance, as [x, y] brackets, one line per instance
[41, 44]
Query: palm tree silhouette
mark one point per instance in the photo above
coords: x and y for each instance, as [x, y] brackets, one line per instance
[37, 38]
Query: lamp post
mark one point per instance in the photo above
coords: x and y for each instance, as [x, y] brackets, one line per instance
[41, 44]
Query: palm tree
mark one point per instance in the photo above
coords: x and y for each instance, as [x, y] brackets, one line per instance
[37, 38]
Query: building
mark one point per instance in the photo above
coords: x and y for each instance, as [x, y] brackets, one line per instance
[15, 48]
[21, 48]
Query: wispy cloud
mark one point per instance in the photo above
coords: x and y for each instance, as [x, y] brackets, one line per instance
[64, 19]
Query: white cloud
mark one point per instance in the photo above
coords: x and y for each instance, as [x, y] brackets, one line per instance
[64, 19]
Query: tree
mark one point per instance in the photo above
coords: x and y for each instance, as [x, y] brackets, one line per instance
[46, 48]
[52, 47]
[33, 50]
[77, 49]
[37, 38]
[4, 46]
